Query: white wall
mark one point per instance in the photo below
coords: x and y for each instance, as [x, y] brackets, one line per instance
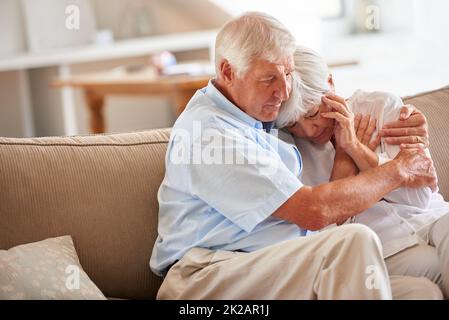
[12, 35]
[47, 103]
[15, 109]
[168, 16]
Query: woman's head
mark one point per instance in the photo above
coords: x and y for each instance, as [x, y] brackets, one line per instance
[301, 113]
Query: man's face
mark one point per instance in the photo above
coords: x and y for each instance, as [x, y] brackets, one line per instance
[262, 89]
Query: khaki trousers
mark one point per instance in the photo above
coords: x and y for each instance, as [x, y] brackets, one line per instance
[428, 259]
[340, 263]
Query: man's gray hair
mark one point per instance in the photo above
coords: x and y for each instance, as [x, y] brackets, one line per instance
[313, 71]
[250, 36]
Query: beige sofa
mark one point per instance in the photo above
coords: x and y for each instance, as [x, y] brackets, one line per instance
[102, 190]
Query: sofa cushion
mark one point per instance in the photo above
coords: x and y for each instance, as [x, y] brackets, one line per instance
[101, 190]
[47, 269]
[435, 105]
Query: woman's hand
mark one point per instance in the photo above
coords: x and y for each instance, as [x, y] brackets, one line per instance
[365, 126]
[345, 134]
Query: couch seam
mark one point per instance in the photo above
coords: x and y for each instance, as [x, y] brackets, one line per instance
[425, 93]
[80, 145]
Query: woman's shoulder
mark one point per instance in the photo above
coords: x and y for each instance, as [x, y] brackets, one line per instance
[372, 101]
[285, 136]
[361, 95]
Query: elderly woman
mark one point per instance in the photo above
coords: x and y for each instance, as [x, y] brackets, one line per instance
[412, 224]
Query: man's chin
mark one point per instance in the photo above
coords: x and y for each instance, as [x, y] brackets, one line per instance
[269, 116]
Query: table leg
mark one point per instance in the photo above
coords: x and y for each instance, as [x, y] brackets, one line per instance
[95, 103]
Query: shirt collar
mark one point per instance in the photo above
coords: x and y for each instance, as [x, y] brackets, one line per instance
[222, 102]
[268, 126]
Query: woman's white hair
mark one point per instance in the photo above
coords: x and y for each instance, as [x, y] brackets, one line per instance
[293, 108]
[250, 36]
[311, 73]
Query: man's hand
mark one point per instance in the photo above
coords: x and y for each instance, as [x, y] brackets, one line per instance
[409, 131]
[416, 168]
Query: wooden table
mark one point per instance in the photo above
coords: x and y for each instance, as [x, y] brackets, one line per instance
[97, 86]
[179, 89]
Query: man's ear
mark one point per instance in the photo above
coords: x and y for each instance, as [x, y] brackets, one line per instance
[227, 72]
[330, 82]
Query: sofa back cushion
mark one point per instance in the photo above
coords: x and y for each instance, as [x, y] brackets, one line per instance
[435, 106]
[101, 190]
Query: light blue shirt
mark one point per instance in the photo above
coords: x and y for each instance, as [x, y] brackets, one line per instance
[225, 176]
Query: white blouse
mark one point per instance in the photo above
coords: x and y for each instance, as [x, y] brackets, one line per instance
[402, 217]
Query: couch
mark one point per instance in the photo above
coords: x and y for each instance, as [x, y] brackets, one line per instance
[102, 190]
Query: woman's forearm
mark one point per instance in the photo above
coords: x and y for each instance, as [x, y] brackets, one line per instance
[344, 166]
[363, 157]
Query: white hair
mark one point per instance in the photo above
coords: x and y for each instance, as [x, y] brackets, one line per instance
[293, 108]
[250, 36]
[313, 73]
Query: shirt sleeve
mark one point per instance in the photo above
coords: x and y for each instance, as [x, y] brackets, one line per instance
[417, 197]
[239, 178]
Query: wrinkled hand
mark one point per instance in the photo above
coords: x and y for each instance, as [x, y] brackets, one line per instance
[365, 126]
[409, 131]
[417, 169]
[344, 133]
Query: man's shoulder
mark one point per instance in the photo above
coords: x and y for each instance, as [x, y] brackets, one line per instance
[199, 108]
[203, 112]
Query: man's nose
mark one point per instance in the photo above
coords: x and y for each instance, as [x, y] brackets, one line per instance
[283, 90]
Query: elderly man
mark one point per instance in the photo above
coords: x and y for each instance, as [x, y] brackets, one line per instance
[233, 215]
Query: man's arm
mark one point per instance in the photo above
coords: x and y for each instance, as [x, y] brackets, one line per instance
[314, 208]
[420, 197]
[409, 131]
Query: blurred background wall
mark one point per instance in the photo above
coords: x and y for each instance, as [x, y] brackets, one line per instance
[392, 45]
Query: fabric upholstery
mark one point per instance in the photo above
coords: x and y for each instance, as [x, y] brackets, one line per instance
[435, 106]
[101, 190]
[43, 270]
